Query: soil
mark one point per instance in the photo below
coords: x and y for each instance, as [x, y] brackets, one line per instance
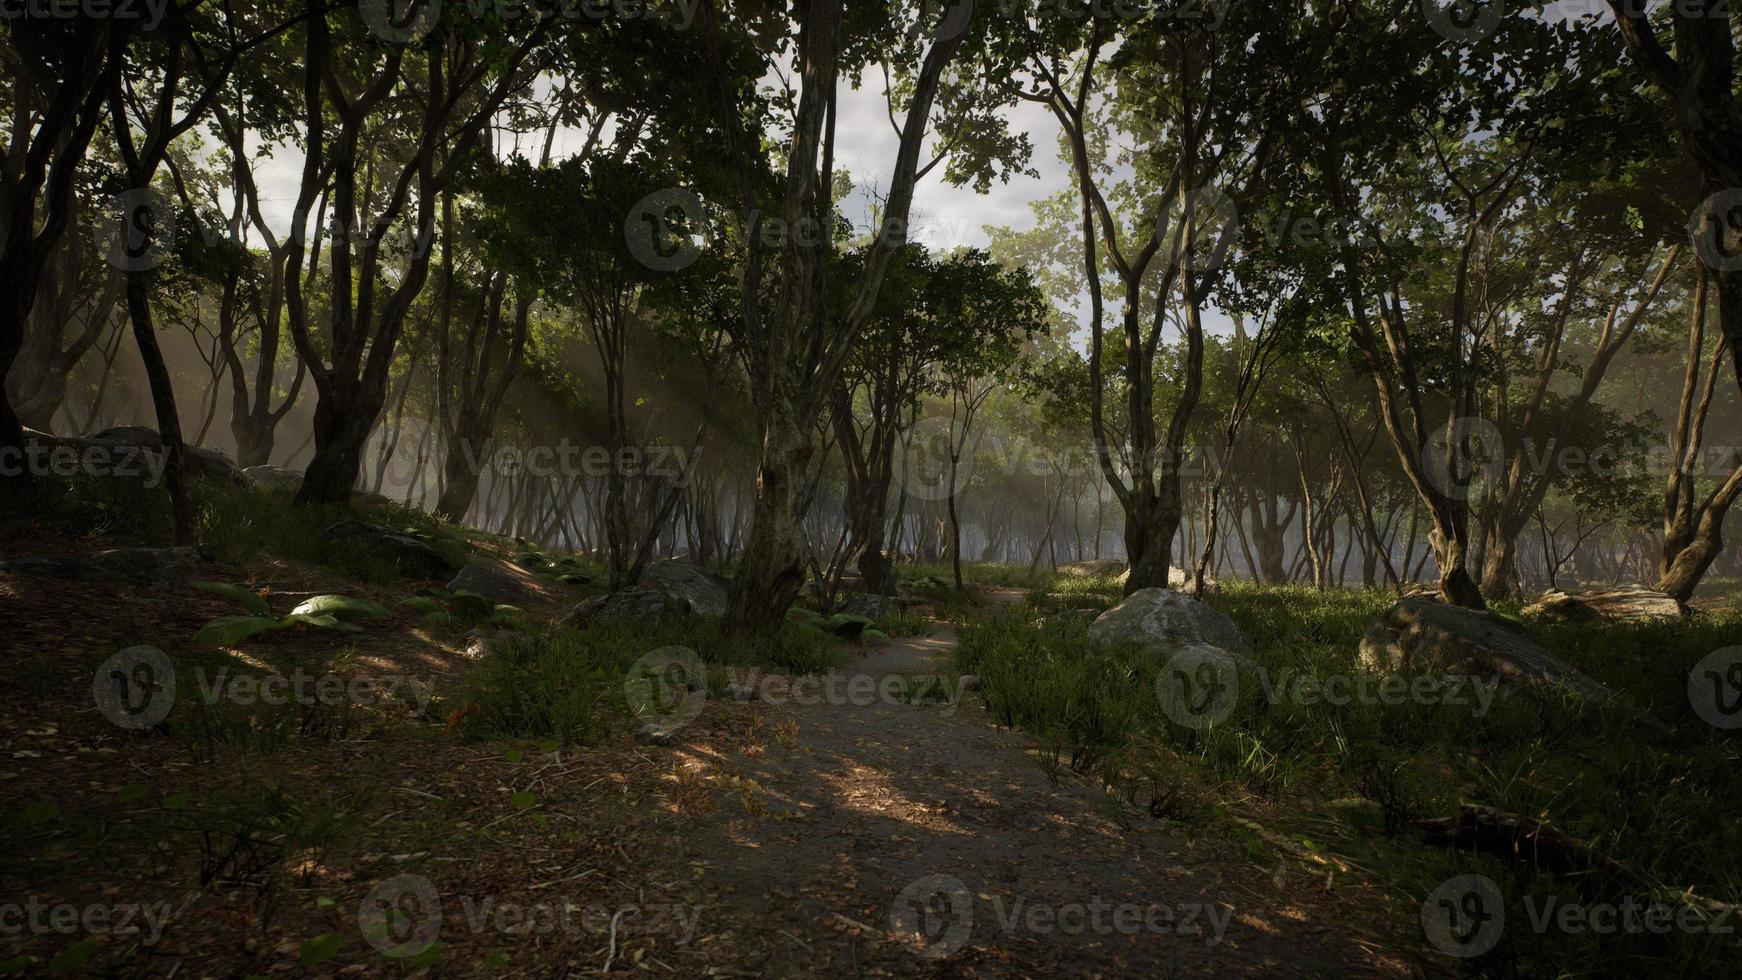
[774, 839]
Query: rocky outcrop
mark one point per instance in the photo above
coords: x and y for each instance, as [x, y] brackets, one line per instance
[668, 590]
[491, 582]
[1424, 636]
[414, 558]
[1629, 603]
[1185, 580]
[872, 606]
[140, 566]
[1095, 568]
[1166, 622]
[700, 591]
[278, 479]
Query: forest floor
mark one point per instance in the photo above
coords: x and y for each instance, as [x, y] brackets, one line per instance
[790, 837]
[493, 814]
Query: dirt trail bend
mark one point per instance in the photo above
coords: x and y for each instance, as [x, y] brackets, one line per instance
[871, 836]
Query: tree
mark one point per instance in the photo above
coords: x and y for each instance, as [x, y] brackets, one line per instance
[791, 343]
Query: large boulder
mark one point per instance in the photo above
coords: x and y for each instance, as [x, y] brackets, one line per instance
[140, 566]
[699, 591]
[1166, 622]
[278, 479]
[415, 558]
[214, 463]
[635, 605]
[1095, 568]
[872, 606]
[668, 590]
[1628, 603]
[131, 435]
[1185, 580]
[1425, 636]
[492, 582]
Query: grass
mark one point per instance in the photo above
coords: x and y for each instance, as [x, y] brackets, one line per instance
[234, 524]
[568, 685]
[1337, 785]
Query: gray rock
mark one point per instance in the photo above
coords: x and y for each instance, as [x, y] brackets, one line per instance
[1184, 580]
[141, 566]
[131, 435]
[651, 734]
[1165, 622]
[1095, 568]
[872, 606]
[278, 479]
[635, 605]
[970, 682]
[214, 463]
[698, 591]
[1424, 636]
[491, 583]
[414, 558]
[1628, 603]
[369, 498]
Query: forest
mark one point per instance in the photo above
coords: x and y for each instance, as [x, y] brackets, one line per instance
[1010, 488]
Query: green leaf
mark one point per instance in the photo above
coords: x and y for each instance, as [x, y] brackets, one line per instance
[127, 794]
[175, 801]
[17, 964]
[320, 949]
[524, 800]
[39, 812]
[471, 606]
[514, 756]
[324, 622]
[549, 745]
[227, 631]
[426, 958]
[73, 957]
[341, 606]
[423, 605]
[245, 598]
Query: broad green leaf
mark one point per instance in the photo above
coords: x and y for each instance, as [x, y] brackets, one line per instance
[342, 606]
[245, 598]
[471, 605]
[227, 631]
[320, 949]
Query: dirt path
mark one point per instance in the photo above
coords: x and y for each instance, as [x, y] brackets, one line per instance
[886, 838]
